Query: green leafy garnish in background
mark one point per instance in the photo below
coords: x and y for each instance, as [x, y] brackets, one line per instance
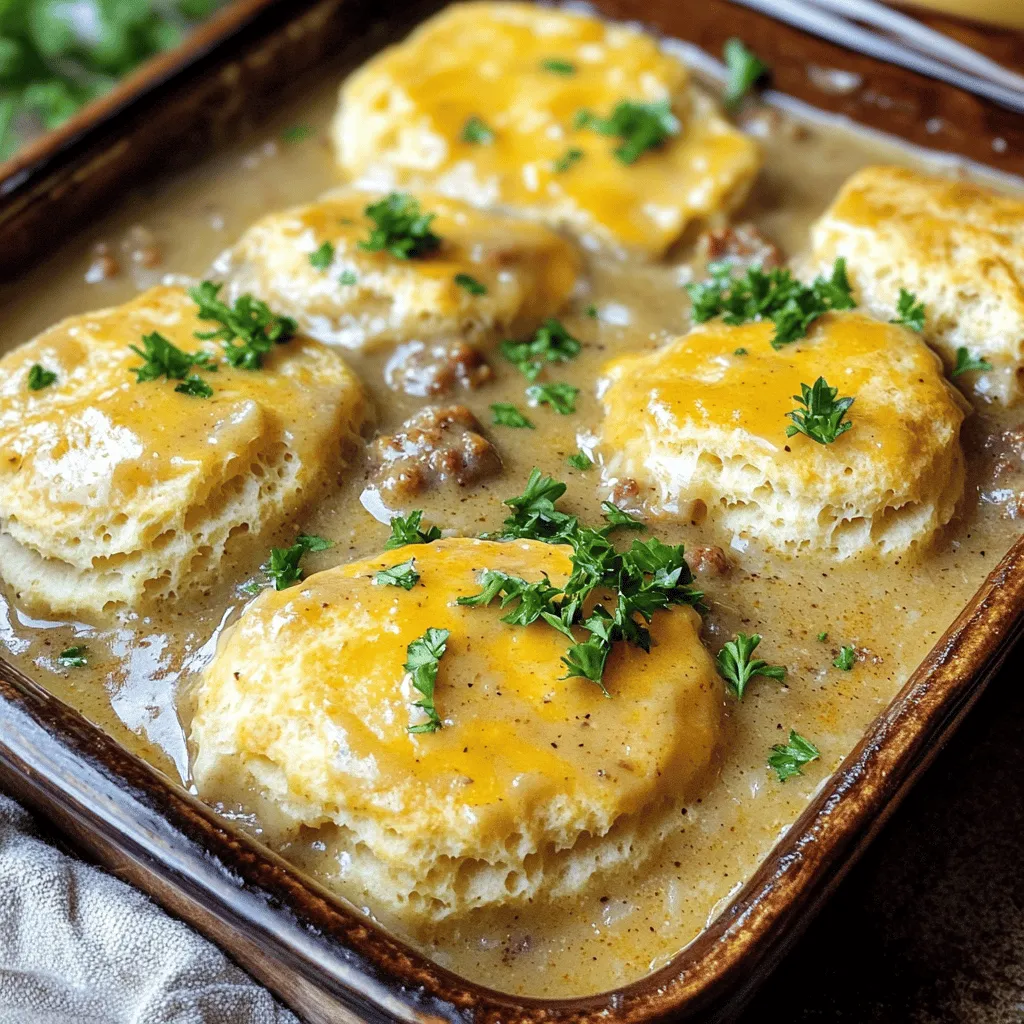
[745, 70]
[786, 759]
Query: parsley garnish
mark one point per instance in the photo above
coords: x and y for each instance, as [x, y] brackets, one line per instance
[641, 126]
[74, 657]
[558, 66]
[745, 68]
[470, 284]
[776, 295]
[966, 363]
[403, 575]
[194, 386]
[846, 658]
[347, 277]
[247, 332]
[785, 759]
[39, 377]
[737, 668]
[551, 343]
[323, 257]
[566, 160]
[591, 311]
[407, 531]
[909, 312]
[402, 229]
[283, 566]
[507, 415]
[822, 637]
[424, 655]
[163, 358]
[561, 397]
[297, 133]
[477, 132]
[821, 418]
[580, 461]
[739, 352]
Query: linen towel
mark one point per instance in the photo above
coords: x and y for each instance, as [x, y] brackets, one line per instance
[78, 946]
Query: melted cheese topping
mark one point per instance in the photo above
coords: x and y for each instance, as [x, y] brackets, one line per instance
[309, 696]
[696, 420]
[528, 272]
[403, 114]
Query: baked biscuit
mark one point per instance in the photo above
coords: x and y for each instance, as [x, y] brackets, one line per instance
[520, 74]
[957, 246]
[699, 421]
[358, 299]
[116, 493]
[533, 784]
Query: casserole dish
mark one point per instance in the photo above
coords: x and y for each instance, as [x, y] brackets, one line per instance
[321, 957]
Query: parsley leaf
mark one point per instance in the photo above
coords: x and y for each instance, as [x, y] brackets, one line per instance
[846, 658]
[551, 343]
[407, 531]
[745, 69]
[39, 377]
[571, 156]
[531, 599]
[347, 277]
[323, 257]
[737, 668]
[533, 512]
[401, 228]
[162, 358]
[194, 386]
[580, 461]
[403, 575]
[423, 659]
[298, 133]
[591, 311]
[615, 516]
[477, 132]
[282, 568]
[776, 295]
[640, 126]
[507, 415]
[587, 661]
[785, 759]
[471, 284]
[74, 657]
[966, 363]
[248, 330]
[561, 397]
[822, 637]
[821, 419]
[558, 66]
[909, 312]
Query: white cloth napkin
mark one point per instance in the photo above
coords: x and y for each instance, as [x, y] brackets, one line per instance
[78, 946]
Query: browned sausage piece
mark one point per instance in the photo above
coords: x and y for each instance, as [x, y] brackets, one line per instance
[436, 445]
[436, 368]
[742, 245]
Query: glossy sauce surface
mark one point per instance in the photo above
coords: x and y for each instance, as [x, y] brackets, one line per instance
[137, 683]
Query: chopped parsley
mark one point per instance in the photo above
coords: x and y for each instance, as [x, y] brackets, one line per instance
[639, 581]
[322, 257]
[282, 568]
[423, 659]
[470, 284]
[347, 277]
[558, 66]
[507, 415]
[561, 397]
[566, 160]
[737, 667]
[909, 312]
[162, 358]
[739, 352]
[403, 575]
[298, 133]
[591, 311]
[640, 126]
[74, 657]
[194, 386]
[400, 227]
[551, 343]
[966, 363]
[477, 132]
[786, 759]
[822, 637]
[580, 461]
[774, 295]
[821, 418]
[39, 377]
[248, 330]
[407, 531]
[846, 658]
[745, 70]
